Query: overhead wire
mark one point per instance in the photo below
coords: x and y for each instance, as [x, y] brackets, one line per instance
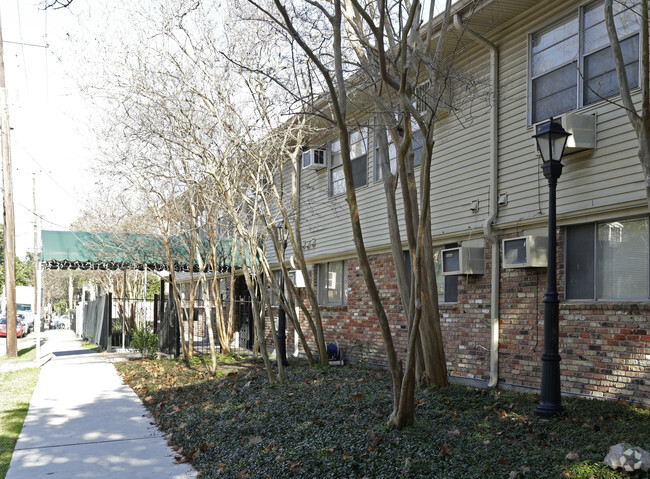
[47, 173]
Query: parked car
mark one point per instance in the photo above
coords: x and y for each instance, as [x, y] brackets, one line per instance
[27, 324]
[20, 328]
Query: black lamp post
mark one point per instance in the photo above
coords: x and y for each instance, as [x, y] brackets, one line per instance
[551, 140]
[282, 317]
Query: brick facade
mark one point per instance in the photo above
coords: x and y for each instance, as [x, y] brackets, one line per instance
[605, 347]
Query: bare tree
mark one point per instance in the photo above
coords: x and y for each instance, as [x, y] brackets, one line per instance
[371, 58]
[638, 118]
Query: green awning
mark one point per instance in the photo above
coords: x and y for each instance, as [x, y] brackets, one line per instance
[85, 250]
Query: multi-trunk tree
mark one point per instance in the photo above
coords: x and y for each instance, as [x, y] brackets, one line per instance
[371, 60]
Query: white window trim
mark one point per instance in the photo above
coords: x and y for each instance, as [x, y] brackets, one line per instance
[321, 266]
[330, 168]
[580, 58]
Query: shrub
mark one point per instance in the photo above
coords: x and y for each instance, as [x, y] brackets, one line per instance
[145, 341]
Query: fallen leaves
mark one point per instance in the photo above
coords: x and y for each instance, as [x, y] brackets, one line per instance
[323, 420]
[446, 450]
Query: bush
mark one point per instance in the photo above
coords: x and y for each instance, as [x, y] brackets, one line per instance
[145, 341]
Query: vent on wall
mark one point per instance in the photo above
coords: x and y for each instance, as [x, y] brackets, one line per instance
[427, 96]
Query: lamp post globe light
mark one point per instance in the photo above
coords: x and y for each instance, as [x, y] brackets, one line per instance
[282, 317]
[551, 140]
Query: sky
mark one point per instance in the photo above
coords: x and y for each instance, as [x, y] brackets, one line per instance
[48, 117]
[51, 136]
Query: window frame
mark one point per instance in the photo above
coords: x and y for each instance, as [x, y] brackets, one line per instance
[595, 262]
[416, 145]
[447, 285]
[331, 168]
[579, 60]
[324, 268]
[392, 160]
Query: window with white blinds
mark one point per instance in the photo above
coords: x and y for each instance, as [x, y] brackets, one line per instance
[608, 261]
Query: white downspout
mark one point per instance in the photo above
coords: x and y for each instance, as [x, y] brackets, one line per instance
[493, 205]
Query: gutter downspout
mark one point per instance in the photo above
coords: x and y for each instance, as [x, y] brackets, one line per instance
[493, 205]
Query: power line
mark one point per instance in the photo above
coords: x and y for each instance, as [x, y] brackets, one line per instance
[47, 173]
[42, 218]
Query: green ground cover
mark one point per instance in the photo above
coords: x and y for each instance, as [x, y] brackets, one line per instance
[330, 422]
[24, 354]
[16, 389]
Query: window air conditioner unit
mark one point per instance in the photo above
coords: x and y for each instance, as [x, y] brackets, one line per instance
[525, 252]
[297, 278]
[463, 260]
[582, 129]
[313, 159]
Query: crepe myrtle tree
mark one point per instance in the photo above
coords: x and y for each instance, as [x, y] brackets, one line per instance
[639, 118]
[369, 57]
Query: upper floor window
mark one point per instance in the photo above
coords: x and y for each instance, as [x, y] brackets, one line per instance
[608, 260]
[417, 144]
[571, 62]
[392, 157]
[359, 160]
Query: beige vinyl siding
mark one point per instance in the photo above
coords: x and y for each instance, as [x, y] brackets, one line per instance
[460, 174]
[327, 219]
[606, 176]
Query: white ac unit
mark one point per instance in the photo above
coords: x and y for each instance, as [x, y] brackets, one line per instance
[525, 252]
[297, 278]
[313, 159]
[463, 260]
[582, 129]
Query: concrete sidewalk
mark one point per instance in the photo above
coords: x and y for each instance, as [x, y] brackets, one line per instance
[84, 422]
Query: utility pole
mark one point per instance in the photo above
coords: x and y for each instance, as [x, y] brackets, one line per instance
[8, 203]
[37, 279]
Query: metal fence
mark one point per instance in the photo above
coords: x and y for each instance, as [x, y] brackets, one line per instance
[243, 331]
[108, 317]
[97, 320]
[169, 332]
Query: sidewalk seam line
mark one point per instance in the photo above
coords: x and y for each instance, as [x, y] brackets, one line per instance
[88, 442]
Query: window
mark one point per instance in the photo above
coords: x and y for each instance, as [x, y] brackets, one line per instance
[276, 282]
[392, 157]
[578, 44]
[417, 143]
[447, 285]
[332, 283]
[608, 260]
[359, 160]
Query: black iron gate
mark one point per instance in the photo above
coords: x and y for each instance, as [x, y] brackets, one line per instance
[244, 313]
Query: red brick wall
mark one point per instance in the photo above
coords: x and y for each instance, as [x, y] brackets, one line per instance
[605, 347]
